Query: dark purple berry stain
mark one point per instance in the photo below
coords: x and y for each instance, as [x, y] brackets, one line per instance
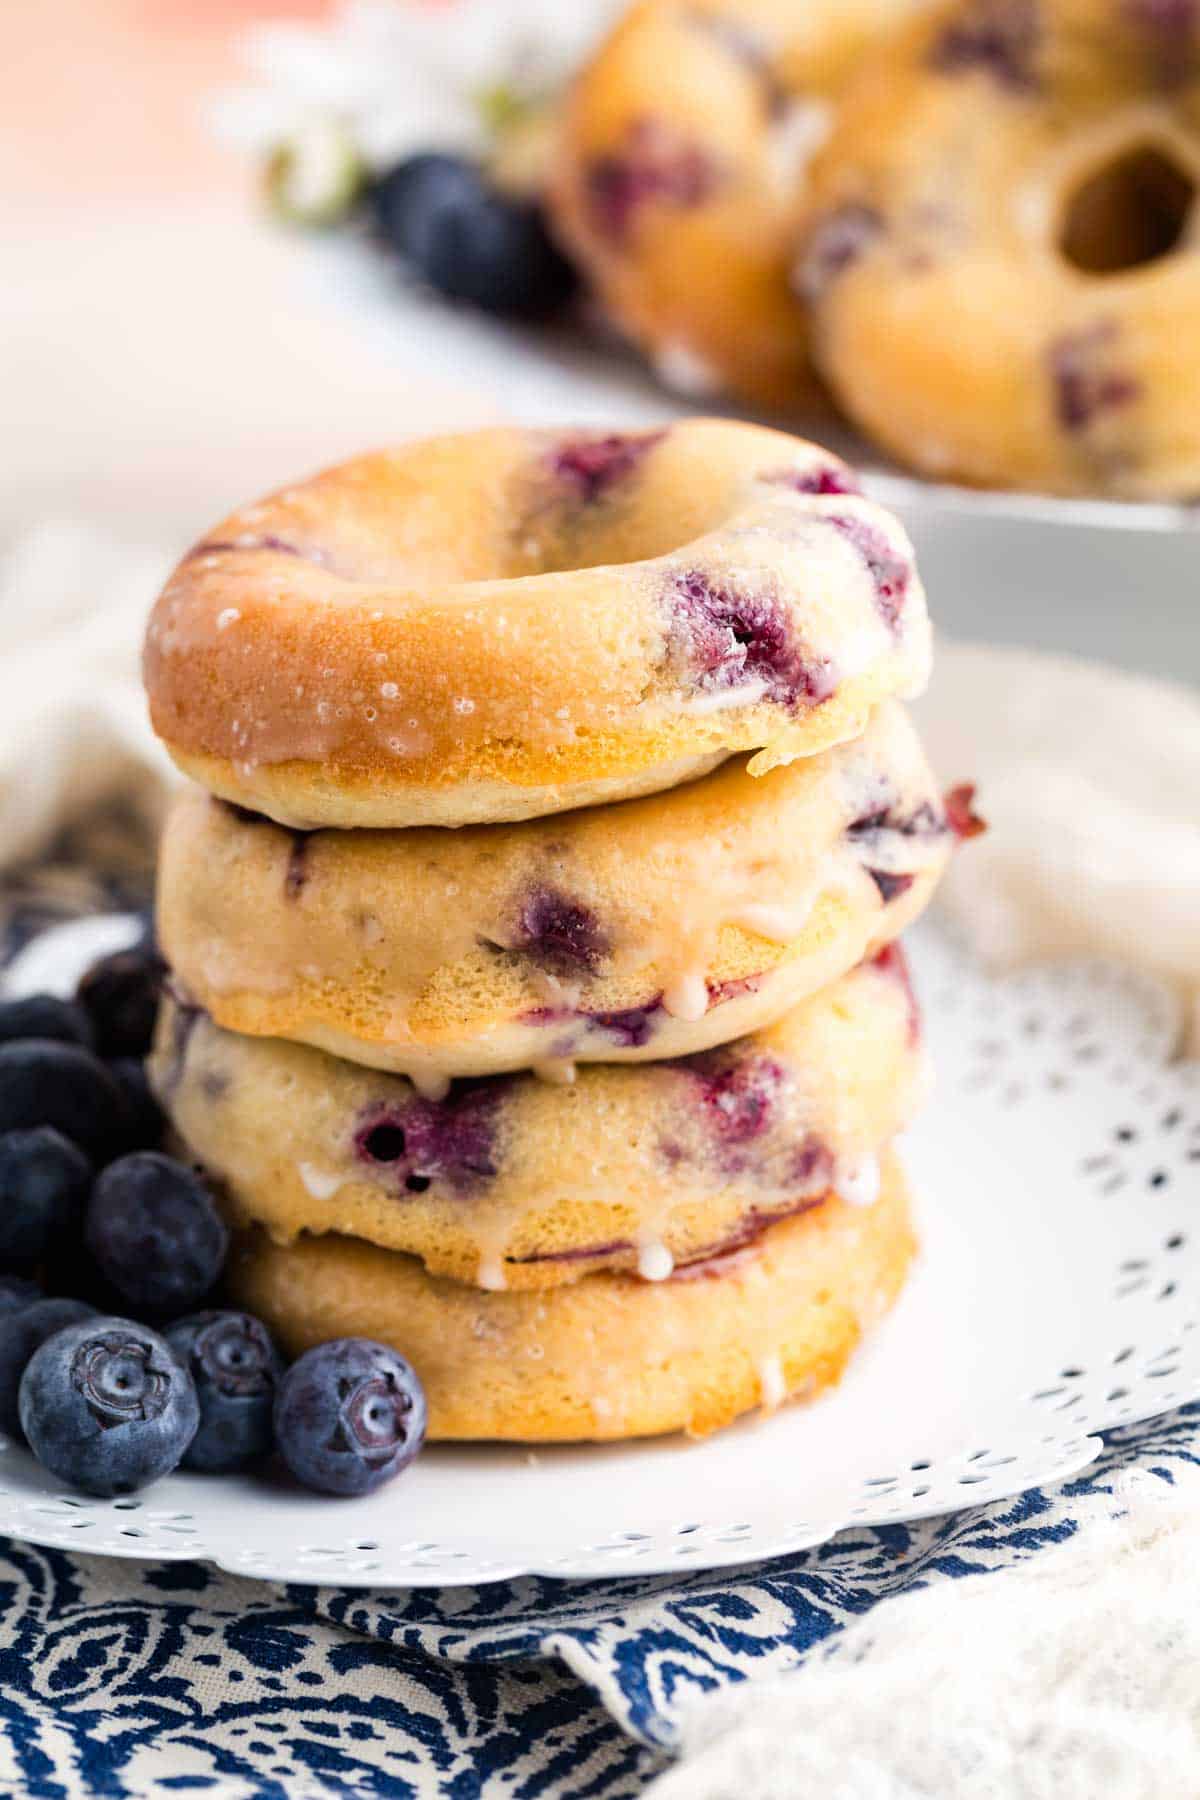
[730, 639]
[295, 876]
[630, 1029]
[451, 1141]
[656, 166]
[813, 1162]
[996, 37]
[925, 821]
[888, 568]
[834, 244]
[633, 1026]
[1087, 388]
[870, 833]
[720, 1259]
[826, 478]
[559, 934]
[585, 1253]
[737, 1096]
[890, 886]
[185, 1016]
[732, 989]
[591, 467]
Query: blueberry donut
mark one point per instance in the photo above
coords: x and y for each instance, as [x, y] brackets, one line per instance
[681, 179]
[1005, 265]
[612, 1356]
[511, 1182]
[615, 934]
[511, 623]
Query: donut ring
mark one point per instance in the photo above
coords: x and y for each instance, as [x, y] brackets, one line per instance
[655, 928]
[1007, 259]
[680, 180]
[511, 1182]
[510, 623]
[613, 1356]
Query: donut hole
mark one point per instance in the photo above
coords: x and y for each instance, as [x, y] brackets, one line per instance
[1133, 210]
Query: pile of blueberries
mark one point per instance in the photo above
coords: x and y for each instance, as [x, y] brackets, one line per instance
[117, 1363]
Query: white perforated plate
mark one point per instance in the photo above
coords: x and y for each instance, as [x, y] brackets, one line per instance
[1057, 1176]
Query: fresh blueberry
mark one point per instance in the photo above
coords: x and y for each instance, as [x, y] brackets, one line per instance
[44, 1182]
[17, 1291]
[106, 1407]
[349, 1415]
[237, 1369]
[467, 239]
[45, 1016]
[155, 1232]
[142, 1123]
[64, 1085]
[21, 1333]
[120, 996]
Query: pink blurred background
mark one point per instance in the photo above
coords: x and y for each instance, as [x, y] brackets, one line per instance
[163, 350]
[101, 98]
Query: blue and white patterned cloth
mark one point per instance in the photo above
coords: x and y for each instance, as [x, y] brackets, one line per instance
[126, 1679]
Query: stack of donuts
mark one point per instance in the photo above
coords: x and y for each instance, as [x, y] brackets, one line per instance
[535, 995]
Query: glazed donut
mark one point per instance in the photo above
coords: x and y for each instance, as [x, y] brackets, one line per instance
[680, 179]
[510, 623]
[612, 1356]
[512, 1182]
[1006, 263]
[615, 934]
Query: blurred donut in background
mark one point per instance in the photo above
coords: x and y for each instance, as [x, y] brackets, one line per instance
[679, 181]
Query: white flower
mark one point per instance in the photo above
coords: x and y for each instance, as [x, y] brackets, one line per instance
[403, 75]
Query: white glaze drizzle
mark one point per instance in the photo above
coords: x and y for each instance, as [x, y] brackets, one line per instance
[771, 1383]
[490, 1273]
[858, 1181]
[778, 924]
[556, 1071]
[318, 1182]
[654, 1261]
[684, 370]
[749, 694]
[686, 996]
[431, 1084]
